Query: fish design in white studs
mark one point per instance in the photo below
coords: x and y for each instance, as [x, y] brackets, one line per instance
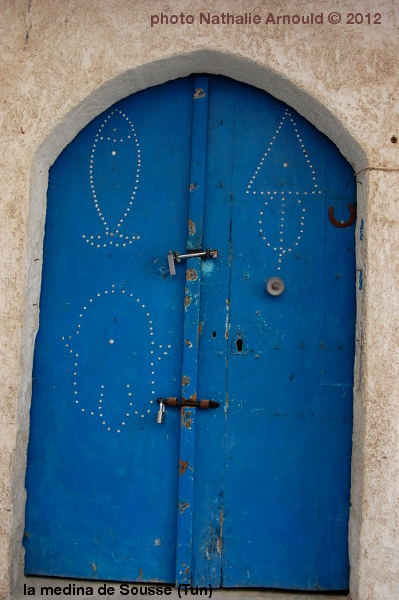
[284, 184]
[114, 174]
[113, 358]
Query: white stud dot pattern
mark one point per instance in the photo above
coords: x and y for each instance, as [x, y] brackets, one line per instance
[282, 197]
[104, 400]
[113, 237]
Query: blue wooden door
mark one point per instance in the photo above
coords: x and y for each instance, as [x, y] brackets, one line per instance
[255, 492]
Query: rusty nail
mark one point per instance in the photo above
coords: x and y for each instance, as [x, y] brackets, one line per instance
[191, 275]
[199, 93]
[183, 464]
[182, 506]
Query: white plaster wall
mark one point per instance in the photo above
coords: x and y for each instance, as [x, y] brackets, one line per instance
[64, 61]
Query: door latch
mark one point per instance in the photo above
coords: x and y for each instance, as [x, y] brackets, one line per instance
[174, 256]
[178, 403]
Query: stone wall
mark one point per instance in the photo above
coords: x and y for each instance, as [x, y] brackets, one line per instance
[64, 61]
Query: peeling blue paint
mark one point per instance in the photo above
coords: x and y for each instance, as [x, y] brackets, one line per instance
[207, 267]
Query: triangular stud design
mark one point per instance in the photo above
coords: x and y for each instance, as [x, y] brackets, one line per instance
[283, 192]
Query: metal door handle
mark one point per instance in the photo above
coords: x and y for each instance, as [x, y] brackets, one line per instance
[275, 286]
[175, 256]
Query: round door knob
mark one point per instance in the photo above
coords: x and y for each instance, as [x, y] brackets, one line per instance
[275, 286]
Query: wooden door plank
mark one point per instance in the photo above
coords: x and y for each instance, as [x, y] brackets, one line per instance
[191, 333]
[102, 475]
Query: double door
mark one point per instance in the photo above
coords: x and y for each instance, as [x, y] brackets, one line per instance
[253, 492]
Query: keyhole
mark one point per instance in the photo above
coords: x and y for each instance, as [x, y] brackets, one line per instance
[239, 345]
[214, 334]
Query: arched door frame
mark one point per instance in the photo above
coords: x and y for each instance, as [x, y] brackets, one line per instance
[131, 81]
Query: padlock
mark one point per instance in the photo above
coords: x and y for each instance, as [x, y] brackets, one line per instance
[161, 413]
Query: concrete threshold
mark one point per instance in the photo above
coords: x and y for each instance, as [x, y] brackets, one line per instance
[54, 587]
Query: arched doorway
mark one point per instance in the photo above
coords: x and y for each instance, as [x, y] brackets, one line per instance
[260, 496]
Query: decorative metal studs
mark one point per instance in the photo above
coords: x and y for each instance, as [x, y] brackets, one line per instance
[102, 407]
[264, 233]
[100, 139]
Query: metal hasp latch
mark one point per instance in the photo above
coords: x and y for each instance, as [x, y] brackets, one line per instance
[175, 402]
[174, 256]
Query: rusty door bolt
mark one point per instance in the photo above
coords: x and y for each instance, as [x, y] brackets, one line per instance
[394, 139]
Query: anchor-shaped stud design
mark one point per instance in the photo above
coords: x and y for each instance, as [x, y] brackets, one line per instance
[283, 194]
[347, 223]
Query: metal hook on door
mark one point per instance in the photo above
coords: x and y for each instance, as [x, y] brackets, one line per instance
[174, 256]
[347, 223]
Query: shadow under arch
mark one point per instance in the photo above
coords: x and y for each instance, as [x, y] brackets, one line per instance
[124, 84]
